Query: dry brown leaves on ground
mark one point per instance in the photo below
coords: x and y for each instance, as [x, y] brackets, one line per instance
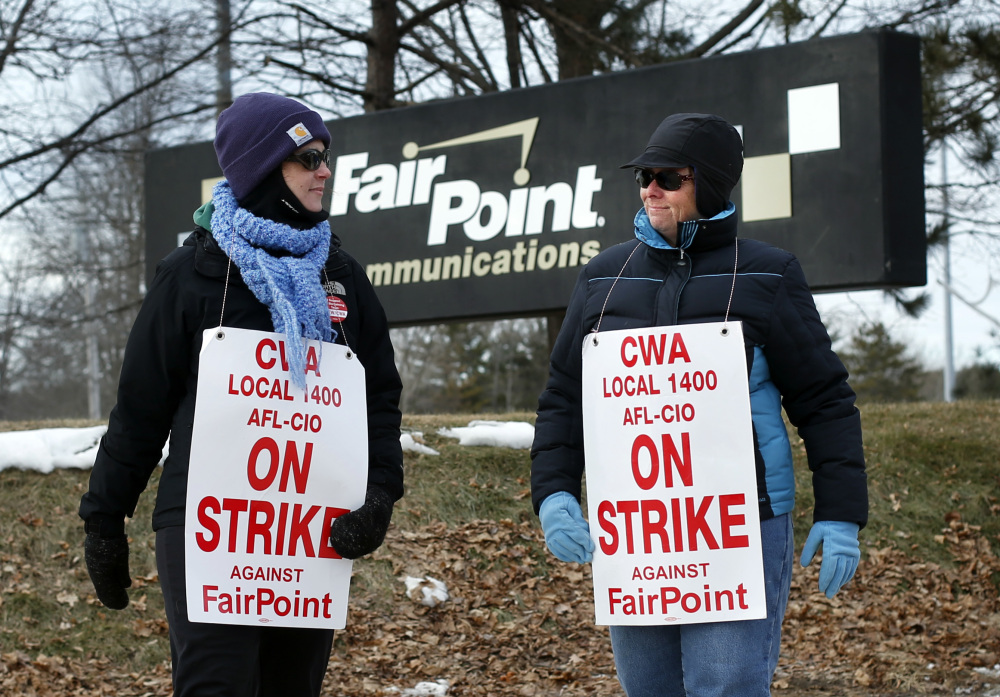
[903, 627]
[56, 676]
[903, 623]
[507, 631]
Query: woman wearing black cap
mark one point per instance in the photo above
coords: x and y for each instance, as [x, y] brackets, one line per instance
[686, 266]
[266, 219]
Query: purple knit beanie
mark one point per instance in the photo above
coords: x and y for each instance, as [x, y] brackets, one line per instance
[258, 132]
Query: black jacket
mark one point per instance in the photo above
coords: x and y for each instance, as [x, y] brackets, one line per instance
[788, 355]
[159, 378]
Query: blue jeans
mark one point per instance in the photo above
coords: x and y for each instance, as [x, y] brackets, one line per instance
[715, 659]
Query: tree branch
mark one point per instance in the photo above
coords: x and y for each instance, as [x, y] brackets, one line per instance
[70, 154]
[363, 37]
[15, 31]
[726, 30]
[67, 141]
[833, 13]
[423, 16]
[572, 27]
[318, 77]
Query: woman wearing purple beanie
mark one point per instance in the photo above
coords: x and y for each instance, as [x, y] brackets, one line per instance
[266, 220]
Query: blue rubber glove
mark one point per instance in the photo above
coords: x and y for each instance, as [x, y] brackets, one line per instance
[840, 553]
[567, 534]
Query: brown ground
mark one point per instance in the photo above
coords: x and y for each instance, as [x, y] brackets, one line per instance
[901, 628]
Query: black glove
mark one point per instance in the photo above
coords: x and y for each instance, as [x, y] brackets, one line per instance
[361, 532]
[106, 553]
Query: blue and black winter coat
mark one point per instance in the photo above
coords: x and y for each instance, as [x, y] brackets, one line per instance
[790, 361]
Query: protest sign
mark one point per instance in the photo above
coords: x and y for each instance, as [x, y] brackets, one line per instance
[671, 480]
[271, 467]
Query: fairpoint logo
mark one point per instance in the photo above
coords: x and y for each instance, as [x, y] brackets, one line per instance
[461, 207]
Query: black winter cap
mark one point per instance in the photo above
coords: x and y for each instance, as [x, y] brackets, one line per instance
[706, 142]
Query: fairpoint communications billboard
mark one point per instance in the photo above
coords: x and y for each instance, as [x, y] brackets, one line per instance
[488, 206]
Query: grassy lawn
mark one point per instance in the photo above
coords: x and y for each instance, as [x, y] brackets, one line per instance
[934, 481]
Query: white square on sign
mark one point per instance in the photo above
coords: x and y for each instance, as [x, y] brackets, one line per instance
[814, 118]
[766, 187]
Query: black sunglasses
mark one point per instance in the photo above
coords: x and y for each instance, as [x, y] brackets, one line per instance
[311, 159]
[668, 179]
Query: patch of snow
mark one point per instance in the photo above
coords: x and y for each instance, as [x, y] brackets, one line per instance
[413, 441]
[427, 591]
[438, 688]
[48, 449]
[503, 434]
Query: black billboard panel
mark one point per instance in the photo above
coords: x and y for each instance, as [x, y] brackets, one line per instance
[487, 206]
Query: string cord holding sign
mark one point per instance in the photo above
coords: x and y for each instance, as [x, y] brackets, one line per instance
[732, 289]
[220, 334]
[597, 327]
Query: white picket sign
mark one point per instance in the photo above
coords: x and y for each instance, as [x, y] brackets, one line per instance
[671, 481]
[271, 466]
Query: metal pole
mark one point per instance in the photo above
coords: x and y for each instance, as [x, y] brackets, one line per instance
[93, 364]
[949, 356]
[90, 327]
[223, 57]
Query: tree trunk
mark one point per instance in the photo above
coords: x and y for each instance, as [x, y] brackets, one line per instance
[223, 57]
[380, 87]
[577, 56]
[512, 39]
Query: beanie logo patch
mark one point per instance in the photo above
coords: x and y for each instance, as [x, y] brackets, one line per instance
[299, 133]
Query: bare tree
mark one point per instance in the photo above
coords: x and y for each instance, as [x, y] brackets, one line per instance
[13, 299]
[89, 87]
[82, 273]
[51, 48]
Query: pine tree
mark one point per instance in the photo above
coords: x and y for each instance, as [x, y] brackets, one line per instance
[881, 369]
[978, 381]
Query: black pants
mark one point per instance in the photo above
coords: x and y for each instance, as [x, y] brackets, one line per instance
[221, 660]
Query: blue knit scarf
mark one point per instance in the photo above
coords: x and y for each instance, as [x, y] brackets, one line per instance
[289, 283]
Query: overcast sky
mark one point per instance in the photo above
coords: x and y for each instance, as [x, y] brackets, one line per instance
[970, 272]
